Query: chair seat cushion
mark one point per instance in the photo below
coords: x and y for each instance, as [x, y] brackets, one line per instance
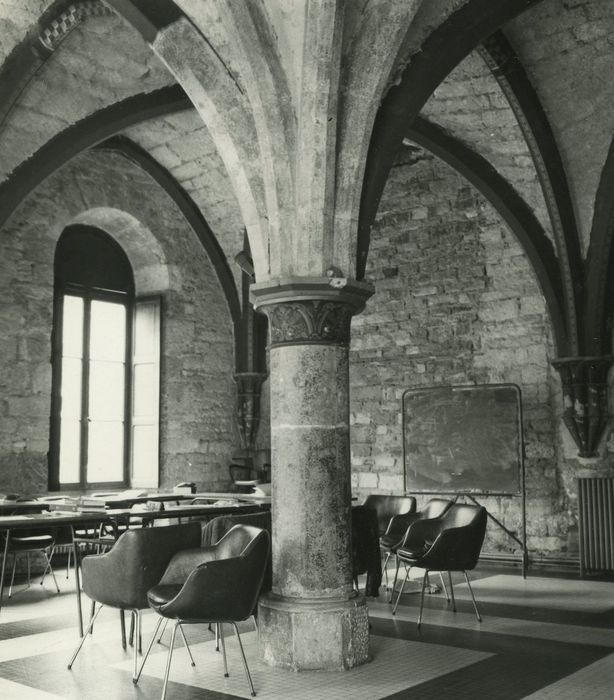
[413, 553]
[162, 593]
[31, 543]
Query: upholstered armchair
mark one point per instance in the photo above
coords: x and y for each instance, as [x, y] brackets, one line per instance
[122, 577]
[449, 543]
[398, 525]
[216, 584]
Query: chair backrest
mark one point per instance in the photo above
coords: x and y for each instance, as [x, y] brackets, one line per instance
[387, 506]
[462, 515]
[467, 526]
[215, 529]
[240, 472]
[137, 561]
[435, 508]
[235, 541]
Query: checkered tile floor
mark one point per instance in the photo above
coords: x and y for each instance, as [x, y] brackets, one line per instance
[540, 638]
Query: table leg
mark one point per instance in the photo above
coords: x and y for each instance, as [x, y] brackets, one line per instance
[75, 547]
[7, 536]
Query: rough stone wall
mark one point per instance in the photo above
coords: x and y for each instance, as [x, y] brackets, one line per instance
[456, 303]
[197, 432]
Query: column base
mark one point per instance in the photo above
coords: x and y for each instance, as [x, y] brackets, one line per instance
[310, 635]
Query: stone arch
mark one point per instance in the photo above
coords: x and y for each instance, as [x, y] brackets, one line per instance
[107, 190]
[148, 260]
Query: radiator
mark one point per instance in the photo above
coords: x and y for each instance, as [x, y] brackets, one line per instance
[596, 524]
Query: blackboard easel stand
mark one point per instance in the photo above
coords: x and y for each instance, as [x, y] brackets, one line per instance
[522, 540]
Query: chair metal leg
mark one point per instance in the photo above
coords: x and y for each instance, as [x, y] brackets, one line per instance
[443, 585]
[68, 562]
[137, 626]
[185, 641]
[424, 580]
[217, 637]
[475, 605]
[122, 621]
[4, 555]
[135, 680]
[221, 629]
[396, 575]
[396, 605]
[168, 661]
[385, 569]
[131, 634]
[452, 591]
[13, 574]
[50, 568]
[163, 628]
[247, 673]
[84, 637]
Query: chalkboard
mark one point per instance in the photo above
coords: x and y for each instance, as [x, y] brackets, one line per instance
[463, 439]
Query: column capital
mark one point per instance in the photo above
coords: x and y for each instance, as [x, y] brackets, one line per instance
[308, 310]
[584, 380]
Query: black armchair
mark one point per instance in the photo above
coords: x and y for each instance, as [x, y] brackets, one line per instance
[216, 584]
[121, 577]
[390, 541]
[388, 506]
[450, 543]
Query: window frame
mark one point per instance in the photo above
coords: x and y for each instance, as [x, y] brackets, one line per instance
[88, 294]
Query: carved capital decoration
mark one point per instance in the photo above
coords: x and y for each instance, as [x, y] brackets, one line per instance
[310, 310]
[585, 399]
[309, 321]
[249, 385]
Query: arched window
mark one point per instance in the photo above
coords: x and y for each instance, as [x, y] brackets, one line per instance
[96, 435]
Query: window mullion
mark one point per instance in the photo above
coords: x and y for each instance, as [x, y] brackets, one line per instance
[85, 390]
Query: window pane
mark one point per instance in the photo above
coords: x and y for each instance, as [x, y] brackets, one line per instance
[70, 448]
[71, 388]
[105, 460]
[106, 397]
[72, 330]
[108, 331]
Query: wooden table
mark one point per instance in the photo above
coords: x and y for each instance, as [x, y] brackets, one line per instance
[13, 507]
[49, 520]
[125, 501]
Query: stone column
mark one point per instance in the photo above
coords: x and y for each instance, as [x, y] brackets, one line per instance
[311, 619]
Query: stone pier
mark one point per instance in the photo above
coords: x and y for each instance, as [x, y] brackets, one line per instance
[312, 618]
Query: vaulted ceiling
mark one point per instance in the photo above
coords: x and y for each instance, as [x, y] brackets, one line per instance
[515, 94]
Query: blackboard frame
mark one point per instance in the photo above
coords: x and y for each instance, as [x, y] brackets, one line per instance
[441, 390]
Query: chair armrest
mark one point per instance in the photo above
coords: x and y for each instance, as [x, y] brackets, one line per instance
[399, 523]
[184, 562]
[420, 533]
